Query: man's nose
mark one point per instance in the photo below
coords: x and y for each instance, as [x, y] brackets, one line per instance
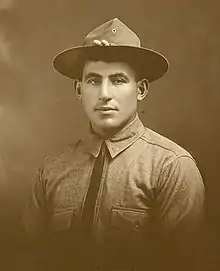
[105, 93]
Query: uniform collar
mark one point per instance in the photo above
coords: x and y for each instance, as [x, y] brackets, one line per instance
[118, 142]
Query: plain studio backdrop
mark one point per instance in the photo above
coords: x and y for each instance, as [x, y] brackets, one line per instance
[39, 114]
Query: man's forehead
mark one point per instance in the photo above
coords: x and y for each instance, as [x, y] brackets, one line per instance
[103, 68]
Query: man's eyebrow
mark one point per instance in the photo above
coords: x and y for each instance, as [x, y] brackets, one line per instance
[119, 74]
[92, 74]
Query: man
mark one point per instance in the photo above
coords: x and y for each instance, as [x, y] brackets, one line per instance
[124, 197]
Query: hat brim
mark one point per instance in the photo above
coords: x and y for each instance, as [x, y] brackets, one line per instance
[151, 64]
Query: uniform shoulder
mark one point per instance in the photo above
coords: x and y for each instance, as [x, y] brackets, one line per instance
[62, 157]
[159, 141]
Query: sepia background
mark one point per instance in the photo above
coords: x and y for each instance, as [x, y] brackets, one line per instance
[39, 114]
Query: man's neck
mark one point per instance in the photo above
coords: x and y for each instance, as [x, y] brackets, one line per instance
[109, 132]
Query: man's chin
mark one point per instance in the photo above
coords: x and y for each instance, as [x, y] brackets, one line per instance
[107, 127]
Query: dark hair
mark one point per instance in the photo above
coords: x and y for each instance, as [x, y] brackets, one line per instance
[108, 57]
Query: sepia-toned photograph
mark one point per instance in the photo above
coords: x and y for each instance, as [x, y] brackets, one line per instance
[109, 129]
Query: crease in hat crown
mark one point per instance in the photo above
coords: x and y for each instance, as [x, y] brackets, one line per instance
[114, 31]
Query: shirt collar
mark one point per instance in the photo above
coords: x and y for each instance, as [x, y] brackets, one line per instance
[118, 142]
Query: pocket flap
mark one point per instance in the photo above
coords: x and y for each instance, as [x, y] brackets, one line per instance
[124, 218]
[61, 221]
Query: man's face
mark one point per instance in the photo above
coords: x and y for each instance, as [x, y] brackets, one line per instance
[109, 95]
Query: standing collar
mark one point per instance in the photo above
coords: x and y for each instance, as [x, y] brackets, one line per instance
[119, 141]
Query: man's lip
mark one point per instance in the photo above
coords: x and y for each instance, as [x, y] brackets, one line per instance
[105, 108]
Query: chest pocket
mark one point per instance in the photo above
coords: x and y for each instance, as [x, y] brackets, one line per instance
[130, 226]
[61, 221]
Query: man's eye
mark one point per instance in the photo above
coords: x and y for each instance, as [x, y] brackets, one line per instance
[93, 81]
[119, 81]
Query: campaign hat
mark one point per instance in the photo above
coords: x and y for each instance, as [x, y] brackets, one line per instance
[124, 45]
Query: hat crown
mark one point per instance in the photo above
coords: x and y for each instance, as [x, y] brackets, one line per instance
[113, 31]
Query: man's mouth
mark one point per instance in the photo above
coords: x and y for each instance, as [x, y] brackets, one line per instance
[105, 108]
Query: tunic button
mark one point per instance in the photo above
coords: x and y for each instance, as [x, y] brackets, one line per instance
[137, 225]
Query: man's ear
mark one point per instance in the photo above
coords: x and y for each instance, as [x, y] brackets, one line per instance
[77, 88]
[142, 89]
